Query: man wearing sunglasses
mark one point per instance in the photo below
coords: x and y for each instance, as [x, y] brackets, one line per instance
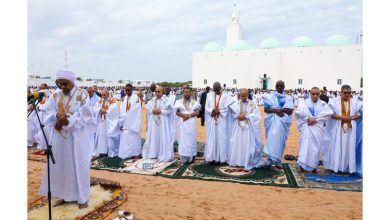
[158, 143]
[278, 107]
[311, 116]
[341, 153]
[130, 124]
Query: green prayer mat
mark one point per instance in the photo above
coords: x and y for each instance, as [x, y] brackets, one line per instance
[117, 164]
[213, 172]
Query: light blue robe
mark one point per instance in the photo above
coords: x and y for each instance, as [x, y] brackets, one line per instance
[359, 145]
[276, 128]
[311, 135]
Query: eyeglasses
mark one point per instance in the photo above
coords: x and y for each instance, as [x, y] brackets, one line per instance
[315, 94]
[281, 86]
[347, 93]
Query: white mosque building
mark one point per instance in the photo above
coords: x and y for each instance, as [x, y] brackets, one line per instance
[301, 65]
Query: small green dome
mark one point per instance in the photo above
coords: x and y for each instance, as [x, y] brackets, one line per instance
[240, 45]
[337, 39]
[212, 47]
[270, 43]
[302, 41]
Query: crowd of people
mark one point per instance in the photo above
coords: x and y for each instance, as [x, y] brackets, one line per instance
[106, 122]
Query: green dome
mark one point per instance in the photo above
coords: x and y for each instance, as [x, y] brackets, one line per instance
[270, 43]
[338, 39]
[212, 47]
[240, 45]
[302, 41]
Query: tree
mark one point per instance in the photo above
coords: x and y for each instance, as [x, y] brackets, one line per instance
[120, 81]
[79, 79]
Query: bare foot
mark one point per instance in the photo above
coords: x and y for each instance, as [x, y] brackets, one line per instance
[83, 206]
[60, 202]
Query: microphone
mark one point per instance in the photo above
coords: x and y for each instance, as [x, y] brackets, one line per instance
[39, 98]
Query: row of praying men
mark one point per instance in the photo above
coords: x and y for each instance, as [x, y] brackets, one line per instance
[331, 131]
[78, 125]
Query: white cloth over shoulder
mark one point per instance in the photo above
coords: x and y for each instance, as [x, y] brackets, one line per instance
[158, 142]
[187, 130]
[311, 135]
[277, 128]
[70, 175]
[108, 132]
[130, 121]
[341, 155]
[218, 131]
[245, 142]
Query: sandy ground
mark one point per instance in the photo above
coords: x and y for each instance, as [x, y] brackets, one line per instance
[152, 197]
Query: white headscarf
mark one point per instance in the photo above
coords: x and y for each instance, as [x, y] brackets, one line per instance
[65, 74]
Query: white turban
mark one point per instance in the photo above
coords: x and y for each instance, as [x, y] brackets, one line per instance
[65, 74]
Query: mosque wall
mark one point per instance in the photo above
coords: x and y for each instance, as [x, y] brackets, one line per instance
[299, 67]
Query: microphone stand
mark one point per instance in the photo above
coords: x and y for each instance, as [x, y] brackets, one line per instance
[49, 154]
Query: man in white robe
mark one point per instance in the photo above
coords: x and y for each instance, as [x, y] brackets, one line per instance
[187, 111]
[245, 142]
[94, 102]
[93, 97]
[172, 117]
[74, 125]
[149, 95]
[130, 120]
[278, 107]
[311, 116]
[341, 156]
[43, 114]
[158, 142]
[108, 132]
[217, 113]
[32, 125]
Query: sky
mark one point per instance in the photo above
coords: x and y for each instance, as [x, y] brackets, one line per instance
[154, 39]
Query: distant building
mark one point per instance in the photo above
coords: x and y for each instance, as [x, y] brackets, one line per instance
[301, 65]
[36, 80]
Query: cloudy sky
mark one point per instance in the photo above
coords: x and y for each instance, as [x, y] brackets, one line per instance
[155, 39]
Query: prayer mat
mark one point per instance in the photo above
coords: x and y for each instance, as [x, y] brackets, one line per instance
[105, 196]
[324, 179]
[213, 172]
[35, 154]
[175, 170]
[117, 164]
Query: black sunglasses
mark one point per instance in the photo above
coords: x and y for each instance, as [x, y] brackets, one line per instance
[347, 93]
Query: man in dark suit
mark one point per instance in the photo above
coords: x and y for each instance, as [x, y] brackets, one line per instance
[203, 104]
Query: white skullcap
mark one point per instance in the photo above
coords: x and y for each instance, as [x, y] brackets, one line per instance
[65, 74]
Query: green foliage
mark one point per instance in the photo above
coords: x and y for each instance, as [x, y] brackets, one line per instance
[174, 84]
[79, 79]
